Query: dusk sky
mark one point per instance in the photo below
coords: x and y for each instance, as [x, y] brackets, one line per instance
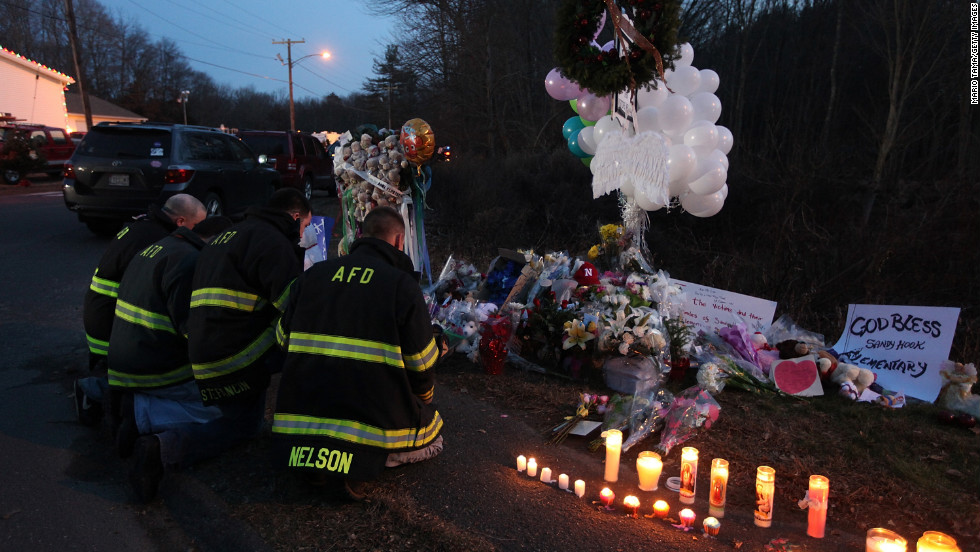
[233, 41]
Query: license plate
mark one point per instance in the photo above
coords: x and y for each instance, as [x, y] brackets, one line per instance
[119, 180]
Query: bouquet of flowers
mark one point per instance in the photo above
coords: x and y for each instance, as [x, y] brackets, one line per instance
[586, 405]
[692, 409]
[612, 241]
[631, 331]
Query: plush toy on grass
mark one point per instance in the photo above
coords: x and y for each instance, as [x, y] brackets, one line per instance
[956, 393]
[851, 380]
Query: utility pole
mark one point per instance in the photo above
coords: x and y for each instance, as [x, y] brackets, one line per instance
[289, 61]
[76, 53]
[183, 101]
[390, 88]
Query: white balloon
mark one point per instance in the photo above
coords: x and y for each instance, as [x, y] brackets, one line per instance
[648, 96]
[684, 80]
[709, 81]
[707, 106]
[698, 135]
[586, 140]
[676, 114]
[626, 187]
[711, 211]
[724, 191]
[647, 119]
[604, 127]
[725, 139]
[678, 188]
[710, 182]
[694, 203]
[686, 55]
[680, 163]
[645, 202]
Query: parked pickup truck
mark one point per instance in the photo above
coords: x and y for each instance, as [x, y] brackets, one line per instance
[27, 148]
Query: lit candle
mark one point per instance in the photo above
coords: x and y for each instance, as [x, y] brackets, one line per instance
[719, 486]
[660, 509]
[607, 496]
[818, 495]
[546, 475]
[648, 467]
[632, 504]
[711, 526]
[687, 517]
[765, 486]
[521, 463]
[579, 488]
[563, 482]
[614, 443]
[934, 541]
[689, 474]
[884, 540]
[532, 467]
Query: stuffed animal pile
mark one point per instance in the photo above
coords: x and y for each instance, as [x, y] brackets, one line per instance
[373, 170]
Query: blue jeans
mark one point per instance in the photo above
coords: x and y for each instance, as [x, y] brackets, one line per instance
[190, 432]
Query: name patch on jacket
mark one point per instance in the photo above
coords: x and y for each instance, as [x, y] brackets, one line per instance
[311, 457]
[224, 392]
[354, 273]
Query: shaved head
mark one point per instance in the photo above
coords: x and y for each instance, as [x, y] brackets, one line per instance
[185, 210]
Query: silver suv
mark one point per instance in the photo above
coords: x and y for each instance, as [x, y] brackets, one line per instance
[119, 169]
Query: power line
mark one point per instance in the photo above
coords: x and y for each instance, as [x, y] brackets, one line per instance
[224, 18]
[217, 44]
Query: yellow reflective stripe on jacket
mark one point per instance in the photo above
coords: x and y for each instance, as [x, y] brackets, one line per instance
[97, 346]
[228, 298]
[346, 347]
[280, 335]
[104, 286]
[231, 364]
[280, 303]
[427, 396]
[119, 379]
[357, 432]
[424, 360]
[142, 317]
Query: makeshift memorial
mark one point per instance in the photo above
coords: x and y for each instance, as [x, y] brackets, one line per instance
[765, 481]
[691, 410]
[956, 393]
[884, 540]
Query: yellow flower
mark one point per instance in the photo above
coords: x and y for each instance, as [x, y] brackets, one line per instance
[611, 232]
[578, 334]
[594, 252]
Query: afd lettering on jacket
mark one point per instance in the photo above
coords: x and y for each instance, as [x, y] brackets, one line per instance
[310, 457]
[355, 274]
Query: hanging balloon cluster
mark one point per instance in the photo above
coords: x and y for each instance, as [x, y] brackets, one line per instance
[663, 148]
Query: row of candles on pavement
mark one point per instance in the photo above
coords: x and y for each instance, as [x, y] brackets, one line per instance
[649, 466]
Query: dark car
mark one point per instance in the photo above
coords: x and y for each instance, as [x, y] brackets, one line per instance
[49, 146]
[119, 169]
[301, 159]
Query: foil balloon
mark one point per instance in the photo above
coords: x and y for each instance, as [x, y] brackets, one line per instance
[418, 141]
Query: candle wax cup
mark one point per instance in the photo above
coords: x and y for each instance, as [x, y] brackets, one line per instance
[687, 517]
[521, 463]
[661, 509]
[579, 488]
[884, 540]
[934, 541]
[563, 482]
[648, 468]
[607, 497]
[532, 467]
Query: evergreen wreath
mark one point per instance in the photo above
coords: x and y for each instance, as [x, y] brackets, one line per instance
[604, 73]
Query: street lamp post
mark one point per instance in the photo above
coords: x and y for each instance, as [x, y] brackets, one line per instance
[290, 63]
[183, 102]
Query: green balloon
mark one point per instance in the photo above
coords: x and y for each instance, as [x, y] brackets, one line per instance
[587, 161]
[574, 104]
[587, 122]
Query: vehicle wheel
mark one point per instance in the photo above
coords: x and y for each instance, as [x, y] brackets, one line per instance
[308, 187]
[212, 202]
[103, 227]
[11, 176]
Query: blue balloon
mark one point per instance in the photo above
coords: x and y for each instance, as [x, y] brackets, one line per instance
[573, 145]
[573, 124]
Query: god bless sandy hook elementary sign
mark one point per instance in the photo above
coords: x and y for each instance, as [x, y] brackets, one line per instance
[904, 346]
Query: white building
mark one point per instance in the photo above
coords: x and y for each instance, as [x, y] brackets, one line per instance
[32, 92]
[102, 111]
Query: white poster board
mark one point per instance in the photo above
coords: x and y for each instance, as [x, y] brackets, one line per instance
[709, 309]
[905, 346]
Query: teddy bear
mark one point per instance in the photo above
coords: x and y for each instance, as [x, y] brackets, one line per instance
[956, 393]
[851, 380]
[792, 348]
[470, 328]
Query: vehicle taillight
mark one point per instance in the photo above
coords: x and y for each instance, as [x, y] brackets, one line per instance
[291, 165]
[178, 176]
[68, 172]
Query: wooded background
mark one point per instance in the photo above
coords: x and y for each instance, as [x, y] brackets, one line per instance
[855, 175]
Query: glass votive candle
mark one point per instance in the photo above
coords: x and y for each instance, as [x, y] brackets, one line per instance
[884, 540]
[648, 468]
[689, 474]
[765, 487]
[934, 541]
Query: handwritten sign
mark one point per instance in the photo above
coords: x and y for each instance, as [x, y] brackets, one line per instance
[903, 345]
[710, 309]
